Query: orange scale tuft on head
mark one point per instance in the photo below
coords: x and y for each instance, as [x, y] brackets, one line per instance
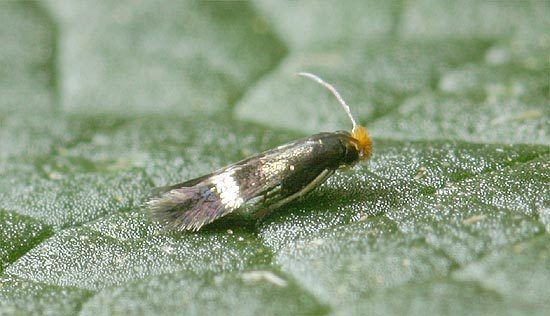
[364, 142]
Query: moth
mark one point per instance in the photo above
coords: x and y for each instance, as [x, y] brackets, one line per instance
[265, 181]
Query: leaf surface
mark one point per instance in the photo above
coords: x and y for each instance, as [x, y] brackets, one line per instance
[101, 102]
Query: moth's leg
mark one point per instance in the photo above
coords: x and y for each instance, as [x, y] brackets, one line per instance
[271, 193]
[305, 190]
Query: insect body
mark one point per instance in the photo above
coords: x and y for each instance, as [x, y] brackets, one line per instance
[267, 180]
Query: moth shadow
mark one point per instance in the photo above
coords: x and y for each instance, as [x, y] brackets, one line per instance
[355, 200]
[230, 223]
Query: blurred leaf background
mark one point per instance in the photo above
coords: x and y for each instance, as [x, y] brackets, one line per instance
[102, 100]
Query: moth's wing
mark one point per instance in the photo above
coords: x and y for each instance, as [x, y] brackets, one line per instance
[192, 204]
[158, 191]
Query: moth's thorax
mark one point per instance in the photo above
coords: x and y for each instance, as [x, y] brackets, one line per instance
[334, 150]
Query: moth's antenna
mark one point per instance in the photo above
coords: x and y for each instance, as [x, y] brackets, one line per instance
[334, 92]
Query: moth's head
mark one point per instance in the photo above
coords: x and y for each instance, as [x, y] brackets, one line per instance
[363, 142]
[359, 134]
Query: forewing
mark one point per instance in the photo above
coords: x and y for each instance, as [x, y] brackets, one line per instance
[192, 204]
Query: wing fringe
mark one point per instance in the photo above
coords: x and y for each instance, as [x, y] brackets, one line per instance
[187, 208]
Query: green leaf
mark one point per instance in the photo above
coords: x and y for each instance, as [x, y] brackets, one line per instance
[250, 293]
[102, 101]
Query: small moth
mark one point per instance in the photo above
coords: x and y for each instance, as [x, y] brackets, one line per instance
[265, 181]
